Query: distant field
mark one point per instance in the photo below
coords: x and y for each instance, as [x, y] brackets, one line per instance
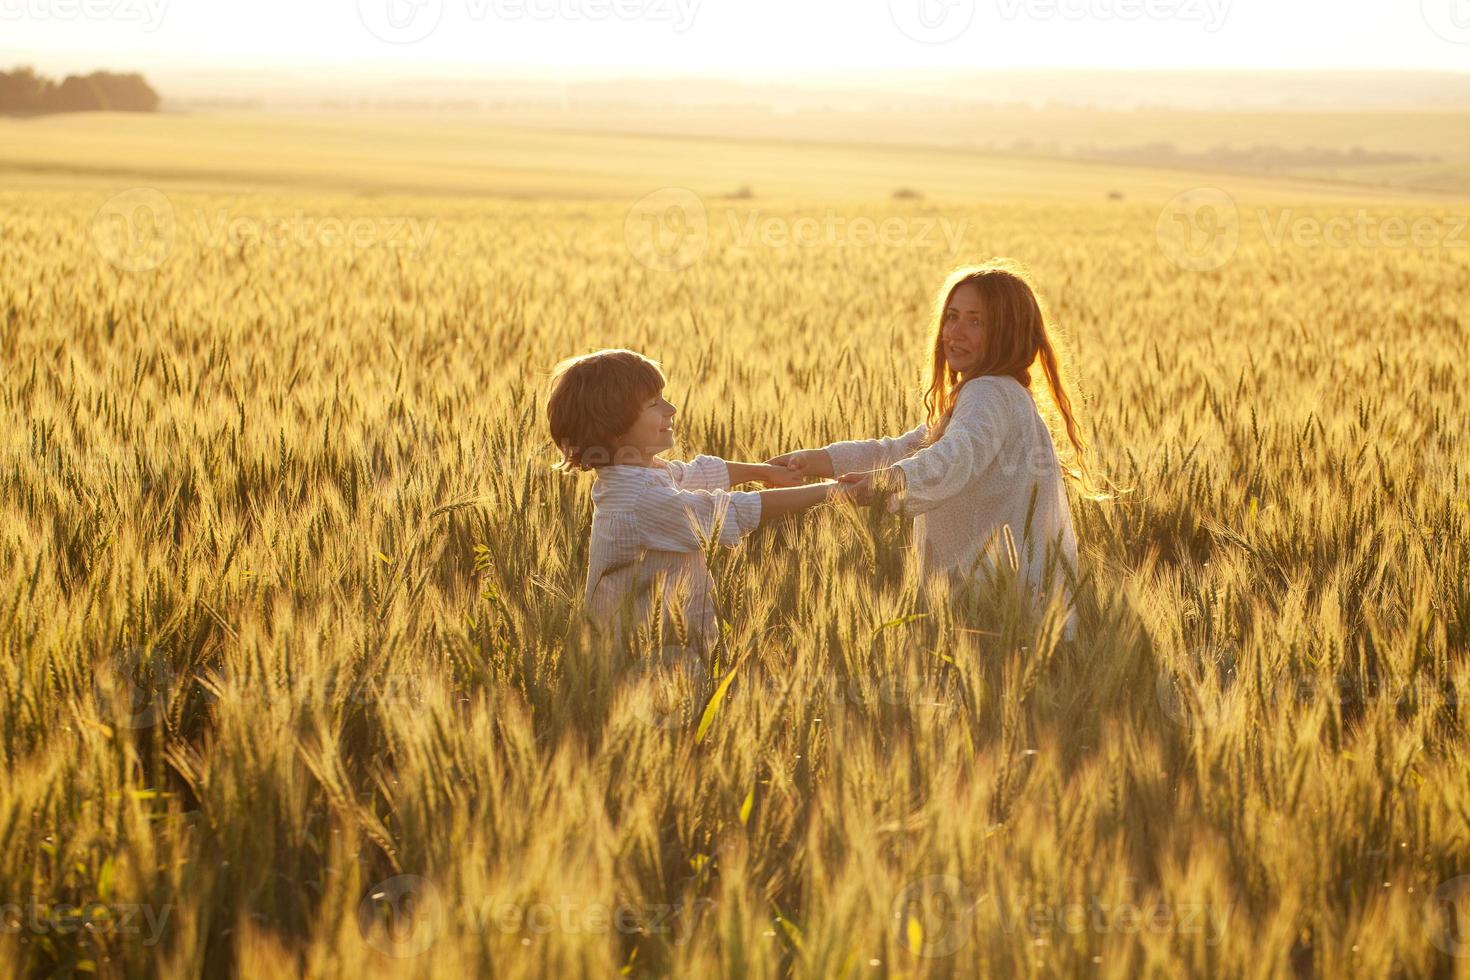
[452, 157]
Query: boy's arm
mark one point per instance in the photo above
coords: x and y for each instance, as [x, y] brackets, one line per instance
[766, 473]
[699, 473]
[713, 473]
[791, 500]
[684, 520]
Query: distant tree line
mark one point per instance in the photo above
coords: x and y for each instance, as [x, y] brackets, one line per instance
[24, 92]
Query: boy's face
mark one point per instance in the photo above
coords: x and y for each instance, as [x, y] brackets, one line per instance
[653, 431]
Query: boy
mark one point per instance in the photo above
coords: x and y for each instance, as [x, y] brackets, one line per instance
[653, 517]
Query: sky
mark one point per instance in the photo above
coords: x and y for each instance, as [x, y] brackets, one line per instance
[752, 40]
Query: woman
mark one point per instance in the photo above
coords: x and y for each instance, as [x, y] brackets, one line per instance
[981, 475]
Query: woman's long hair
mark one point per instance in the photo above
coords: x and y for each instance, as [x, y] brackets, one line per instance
[1015, 338]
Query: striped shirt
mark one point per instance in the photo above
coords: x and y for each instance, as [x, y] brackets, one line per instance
[656, 521]
[994, 468]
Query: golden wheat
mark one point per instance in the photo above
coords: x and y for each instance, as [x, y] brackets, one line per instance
[296, 681]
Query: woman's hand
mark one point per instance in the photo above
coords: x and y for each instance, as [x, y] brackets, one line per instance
[806, 464]
[857, 487]
[862, 488]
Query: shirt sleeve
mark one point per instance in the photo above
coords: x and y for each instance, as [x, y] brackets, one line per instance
[860, 456]
[700, 473]
[686, 520]
[971, 441]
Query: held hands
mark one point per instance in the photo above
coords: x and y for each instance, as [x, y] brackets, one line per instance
[805, 464]
[795, 468]
[776, 477]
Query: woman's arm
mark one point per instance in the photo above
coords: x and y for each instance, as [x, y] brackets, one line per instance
[852, 457]
[971, 441]
[861, 455]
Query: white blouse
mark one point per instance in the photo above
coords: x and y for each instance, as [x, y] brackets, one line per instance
[649, 521]
[994, 468]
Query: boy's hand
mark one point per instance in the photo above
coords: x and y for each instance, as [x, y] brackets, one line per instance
[806, 464]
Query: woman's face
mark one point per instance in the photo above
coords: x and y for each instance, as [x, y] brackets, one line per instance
[962, 330]
[653, 431]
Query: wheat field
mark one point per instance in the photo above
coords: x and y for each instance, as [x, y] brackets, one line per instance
[297, 684]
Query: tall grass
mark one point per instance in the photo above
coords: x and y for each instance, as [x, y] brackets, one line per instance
[295, 669]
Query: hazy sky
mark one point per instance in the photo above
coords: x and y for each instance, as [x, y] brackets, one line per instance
[752, 39]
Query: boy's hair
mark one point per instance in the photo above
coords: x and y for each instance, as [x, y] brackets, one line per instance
[594, 399]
